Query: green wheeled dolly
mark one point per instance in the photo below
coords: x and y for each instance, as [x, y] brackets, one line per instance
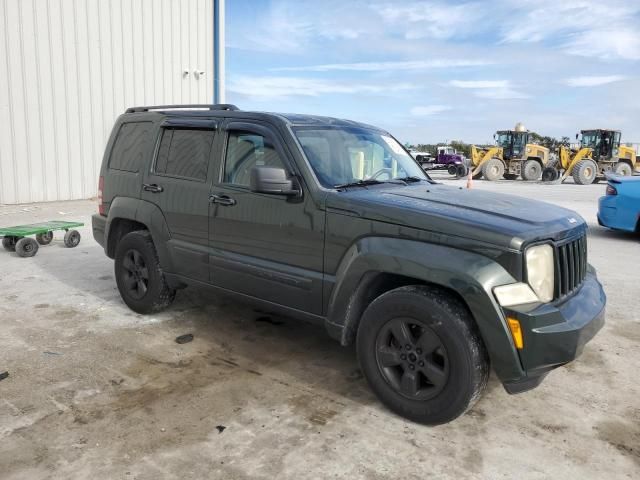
[16, 239]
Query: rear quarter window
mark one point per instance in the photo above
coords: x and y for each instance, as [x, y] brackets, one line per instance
[184, 153]
[130, 147]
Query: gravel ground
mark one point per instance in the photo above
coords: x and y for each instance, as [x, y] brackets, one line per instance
[98, 391]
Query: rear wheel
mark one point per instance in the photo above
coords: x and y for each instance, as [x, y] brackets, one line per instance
[623, 169]
[584, 172]
[44, 238]
[422, 355]
[26, 247]
[531, 170]
[9, 243]
[549, 174]
[71, 239]
[139, 276]
[462, 171]
[493, 169]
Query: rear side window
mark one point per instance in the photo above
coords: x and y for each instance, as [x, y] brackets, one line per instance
[130, 147]
[184, 153]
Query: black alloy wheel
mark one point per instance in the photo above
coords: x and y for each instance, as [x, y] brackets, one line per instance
[135, 274]
[412, 358]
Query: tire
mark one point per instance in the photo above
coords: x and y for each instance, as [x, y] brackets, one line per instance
[623, 169]
[26, 247]
[139, 277]
[462, 171]
[584, 172]
[550, 174]
[511, 176]
[455, 359]
[44, 238]
[493, 169]
[9, 243]
[531, 170]
[72, 238]
[451, 169]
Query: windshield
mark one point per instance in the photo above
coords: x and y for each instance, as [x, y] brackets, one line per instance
[343, 155]
[590, 139]
[504, 140]
[446, 150]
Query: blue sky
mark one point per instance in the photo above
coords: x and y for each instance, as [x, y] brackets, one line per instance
[436, 71]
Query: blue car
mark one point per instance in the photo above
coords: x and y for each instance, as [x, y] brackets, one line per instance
[620, 207]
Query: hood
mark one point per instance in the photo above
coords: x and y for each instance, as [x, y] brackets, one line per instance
[503, 220]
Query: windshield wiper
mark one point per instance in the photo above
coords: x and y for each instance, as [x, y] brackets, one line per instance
[359, 183]
[410, 179]
[373, 181]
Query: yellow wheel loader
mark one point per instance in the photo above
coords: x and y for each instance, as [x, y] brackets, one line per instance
[513, 156]
[599, 153]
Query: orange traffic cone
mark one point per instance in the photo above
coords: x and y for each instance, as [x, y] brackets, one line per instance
[470, 179]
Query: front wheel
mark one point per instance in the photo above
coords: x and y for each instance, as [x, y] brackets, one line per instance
[584, 172]
[139, 277]
[422, 354]
[26, 247]
[493, 169]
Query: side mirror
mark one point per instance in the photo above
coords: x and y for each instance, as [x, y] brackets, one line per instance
[577, 136]
[272, 180]
[494, 136]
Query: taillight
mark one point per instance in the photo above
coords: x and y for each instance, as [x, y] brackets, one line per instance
[611, 190]
[101, 208]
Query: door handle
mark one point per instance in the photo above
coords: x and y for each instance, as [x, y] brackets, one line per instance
[152, 187]
[222, 200]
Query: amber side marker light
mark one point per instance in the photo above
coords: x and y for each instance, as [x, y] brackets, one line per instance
[516, 332]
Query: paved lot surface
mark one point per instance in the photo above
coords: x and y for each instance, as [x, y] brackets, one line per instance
[97, 391]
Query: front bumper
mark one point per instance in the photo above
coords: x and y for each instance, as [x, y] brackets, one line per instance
[555, 334]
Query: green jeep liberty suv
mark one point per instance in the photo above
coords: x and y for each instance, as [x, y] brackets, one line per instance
[332, 221]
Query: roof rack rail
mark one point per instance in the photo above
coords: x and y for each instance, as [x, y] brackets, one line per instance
[217, 106]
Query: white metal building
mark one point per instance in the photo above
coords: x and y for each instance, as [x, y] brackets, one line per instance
[68, 68]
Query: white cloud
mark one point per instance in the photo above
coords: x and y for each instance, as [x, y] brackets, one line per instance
[479, 83]
[423, 111]
[590, 28]
[434, 19]
[495, 89]
[276, 87]
[388, 66]
[606, 44]
[593, 81]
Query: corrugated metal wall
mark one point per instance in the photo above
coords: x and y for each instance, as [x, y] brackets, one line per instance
[68, 68]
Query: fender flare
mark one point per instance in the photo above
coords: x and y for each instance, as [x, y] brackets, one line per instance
[471, 275]
[147, 214]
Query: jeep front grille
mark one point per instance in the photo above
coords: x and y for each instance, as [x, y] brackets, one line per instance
[571, 266]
